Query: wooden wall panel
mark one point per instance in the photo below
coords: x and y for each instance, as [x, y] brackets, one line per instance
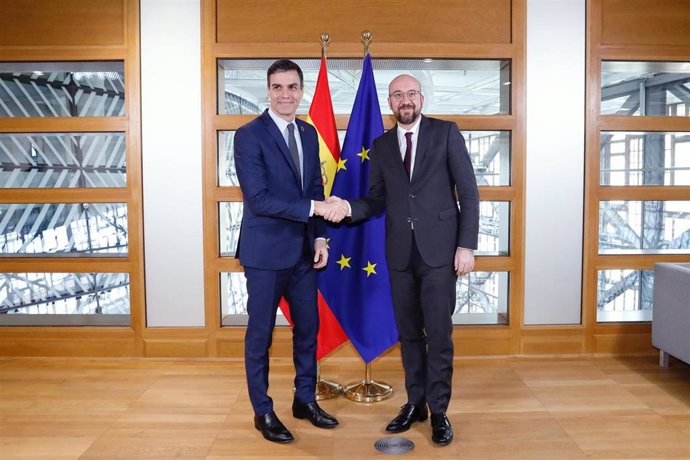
[60, 30]
[622, 343]
[182, 348]
[645, 22]
[552, 345]
[396, 21]
[67, 341]
[62, 22]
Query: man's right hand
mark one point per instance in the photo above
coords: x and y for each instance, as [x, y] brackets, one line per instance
[333, 209]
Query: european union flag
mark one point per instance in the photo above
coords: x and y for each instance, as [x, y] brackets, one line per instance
[355, 282]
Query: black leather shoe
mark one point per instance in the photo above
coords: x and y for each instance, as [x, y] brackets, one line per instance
[441, 431]
[409, 413]
[312, 412]
[272, 428]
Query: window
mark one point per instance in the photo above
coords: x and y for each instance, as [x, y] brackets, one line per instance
[74, 202]
[452, 87]
[642, 207]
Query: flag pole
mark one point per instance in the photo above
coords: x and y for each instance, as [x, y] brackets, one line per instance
[367, 390]
[325, 389]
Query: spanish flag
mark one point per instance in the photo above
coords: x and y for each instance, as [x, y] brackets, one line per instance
[321, 117]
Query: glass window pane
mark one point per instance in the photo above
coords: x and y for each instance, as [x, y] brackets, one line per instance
[227, 174]
[625, 295]
[60, 229]
[645, 88]
[644, 227]
[233, 301]
[229, 222]
[494, 228]
[64, 299]
[450, 86]
[489, 151]
[636, 158]
[494, 231]
[62, 160]
[62, 89]
[482, 298]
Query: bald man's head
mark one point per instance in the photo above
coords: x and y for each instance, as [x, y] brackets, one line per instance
[405, 99]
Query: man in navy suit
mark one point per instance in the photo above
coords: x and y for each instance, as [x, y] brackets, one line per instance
[419, 169]
[282, 243]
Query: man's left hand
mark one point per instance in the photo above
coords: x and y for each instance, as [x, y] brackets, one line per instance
[464, 261]
[320, 253]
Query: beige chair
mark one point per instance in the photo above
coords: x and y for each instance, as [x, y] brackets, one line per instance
[671, 316]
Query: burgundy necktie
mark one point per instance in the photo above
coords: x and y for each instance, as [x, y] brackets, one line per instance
[408, 153]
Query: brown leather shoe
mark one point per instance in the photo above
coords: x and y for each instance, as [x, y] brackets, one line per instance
[272, 428]
[409, 413]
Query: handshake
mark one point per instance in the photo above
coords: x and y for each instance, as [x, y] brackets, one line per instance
[334, 209]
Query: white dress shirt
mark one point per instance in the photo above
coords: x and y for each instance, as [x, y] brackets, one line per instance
[402, 142]
[283, 127]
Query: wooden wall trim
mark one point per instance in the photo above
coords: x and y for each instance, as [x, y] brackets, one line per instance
[63, 23]
[645, 22]
[394, 21]
[379, 49]
[465, 122]
[57, 30]
[236, 42]
[194, 342]
[64, 125]
[624, 30]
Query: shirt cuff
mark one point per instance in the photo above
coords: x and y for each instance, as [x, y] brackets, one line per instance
[311, 209]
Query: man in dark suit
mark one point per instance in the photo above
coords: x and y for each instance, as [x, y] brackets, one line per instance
[418, 172]
[281, 244]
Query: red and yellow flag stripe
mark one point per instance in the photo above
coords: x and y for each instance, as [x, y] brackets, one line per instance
[321, 116]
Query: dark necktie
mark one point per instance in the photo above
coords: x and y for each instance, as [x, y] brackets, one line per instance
[408, 153]
[294, 151]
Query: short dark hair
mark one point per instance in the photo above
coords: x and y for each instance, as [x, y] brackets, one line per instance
[284, 65]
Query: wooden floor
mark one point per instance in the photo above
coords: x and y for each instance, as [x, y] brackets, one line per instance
[502, 408]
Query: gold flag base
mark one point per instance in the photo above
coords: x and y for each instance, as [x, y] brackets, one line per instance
[368, 390]
[327, 390]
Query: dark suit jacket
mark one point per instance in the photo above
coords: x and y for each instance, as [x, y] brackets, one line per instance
[275, 220]
[442, 166]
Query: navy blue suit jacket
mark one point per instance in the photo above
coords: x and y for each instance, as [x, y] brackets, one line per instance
[275, 221]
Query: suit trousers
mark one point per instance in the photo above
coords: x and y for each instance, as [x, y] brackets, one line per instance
[424, 300]
[265, 288]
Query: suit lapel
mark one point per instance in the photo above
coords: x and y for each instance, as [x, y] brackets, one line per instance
[277, 136]
[391, 144]
[423, 138]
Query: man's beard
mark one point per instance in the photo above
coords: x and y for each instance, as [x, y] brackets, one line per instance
[406, 119]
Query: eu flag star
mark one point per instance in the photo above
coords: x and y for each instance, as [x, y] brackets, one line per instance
[370, 268]
[344, 262]
[364, 154]
[341, 164]
[328, 240]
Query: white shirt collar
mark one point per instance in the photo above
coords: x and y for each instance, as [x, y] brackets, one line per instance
[414, 129]
[280, 122]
